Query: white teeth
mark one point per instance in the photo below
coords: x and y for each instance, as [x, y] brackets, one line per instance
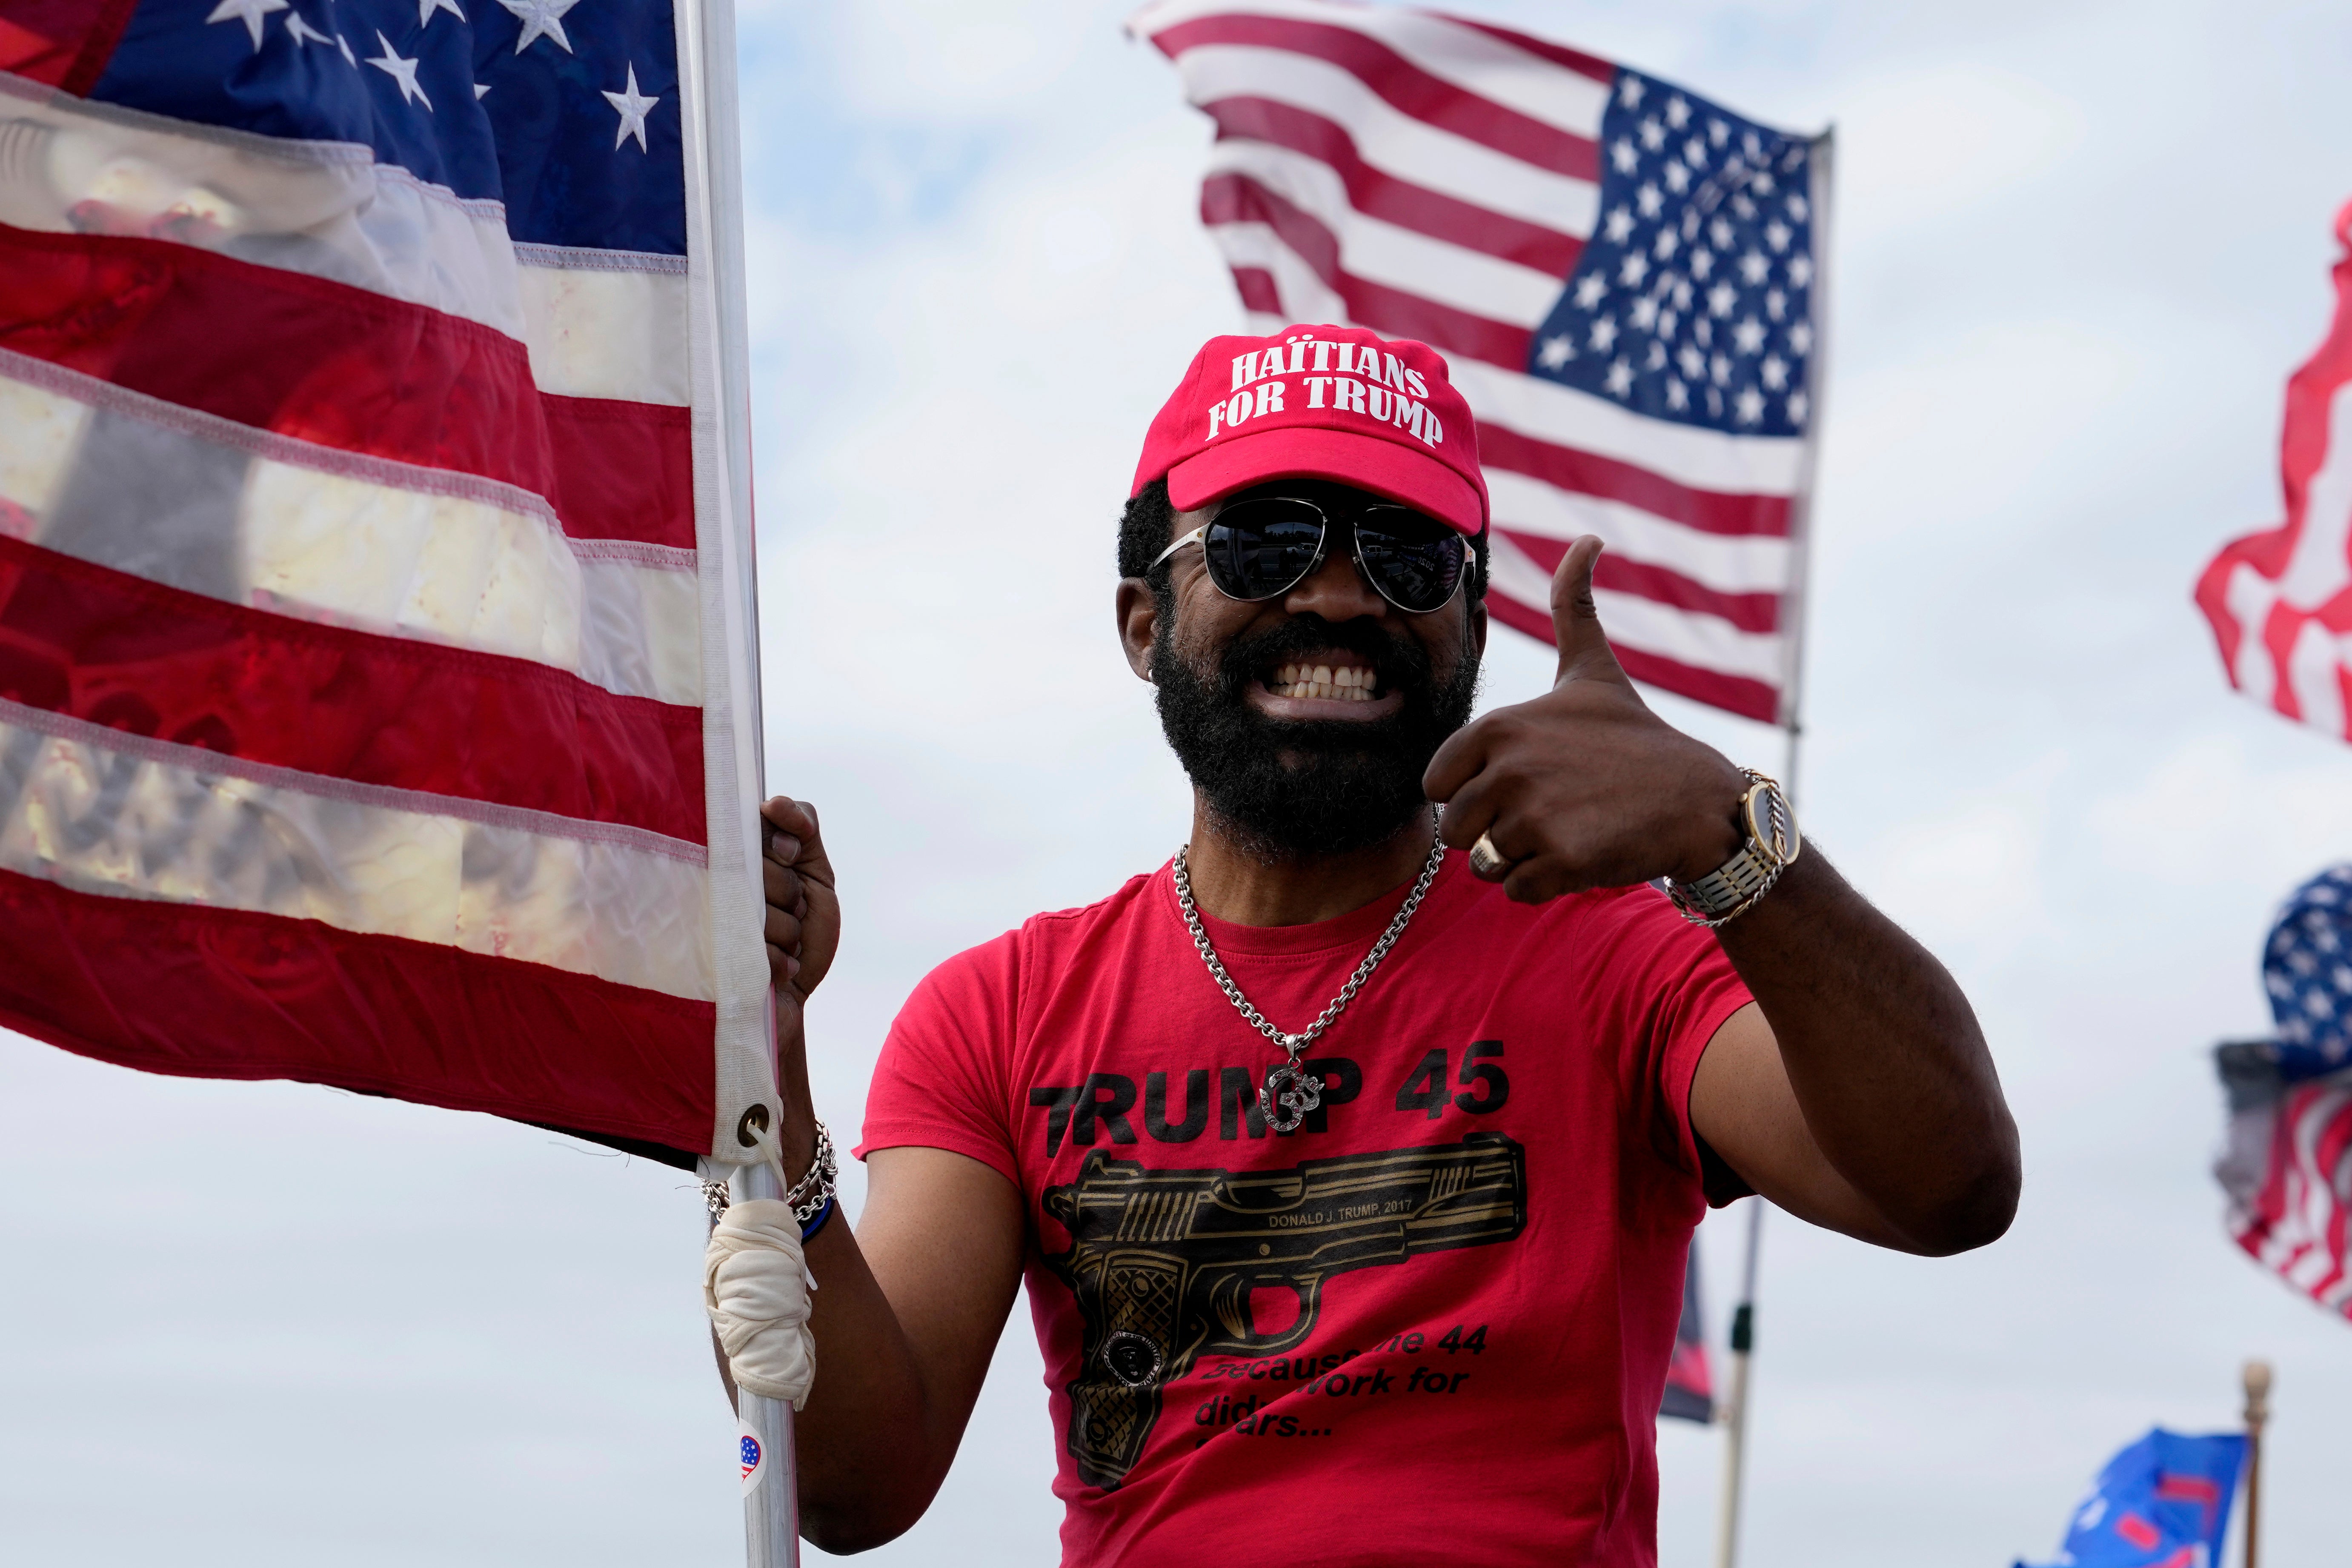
[1323, 682]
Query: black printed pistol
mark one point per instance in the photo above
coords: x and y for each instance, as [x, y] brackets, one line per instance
[1162, 1262]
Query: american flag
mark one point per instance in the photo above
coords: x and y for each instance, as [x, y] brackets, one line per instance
[1623, 275]
[2288, 1166]
[374, 671]
[2281, 601]
[2287, 1172]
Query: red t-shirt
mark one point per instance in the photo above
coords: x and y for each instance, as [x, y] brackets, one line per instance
[1433, 1324]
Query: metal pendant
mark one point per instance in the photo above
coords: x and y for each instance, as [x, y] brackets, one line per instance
[1290, 1093]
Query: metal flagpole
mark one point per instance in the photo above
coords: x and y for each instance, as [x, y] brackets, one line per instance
[772, 1501]
[2258, 1415]
[771, 1479]
[1743, 1317]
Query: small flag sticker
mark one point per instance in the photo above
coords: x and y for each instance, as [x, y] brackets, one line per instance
[752, 1456]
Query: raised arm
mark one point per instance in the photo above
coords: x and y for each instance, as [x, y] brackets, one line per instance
[1858, 1093]
[908, 1308]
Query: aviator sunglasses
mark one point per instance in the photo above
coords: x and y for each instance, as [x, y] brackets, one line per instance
[1262, 546]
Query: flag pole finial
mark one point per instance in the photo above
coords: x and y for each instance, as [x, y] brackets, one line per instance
[2257, 1378]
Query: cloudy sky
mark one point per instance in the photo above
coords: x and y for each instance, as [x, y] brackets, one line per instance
[2078, 247]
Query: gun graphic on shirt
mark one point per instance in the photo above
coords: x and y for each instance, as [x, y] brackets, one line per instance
[1163, 1262]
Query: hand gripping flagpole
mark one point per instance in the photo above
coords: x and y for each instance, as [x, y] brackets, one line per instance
[706, 36]
[1743, 1317]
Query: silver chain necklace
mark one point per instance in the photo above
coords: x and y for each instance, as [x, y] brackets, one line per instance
[1291, 1091]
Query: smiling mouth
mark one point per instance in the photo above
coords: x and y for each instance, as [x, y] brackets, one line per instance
[1324, 681]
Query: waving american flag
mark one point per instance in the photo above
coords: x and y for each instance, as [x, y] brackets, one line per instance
[373, 678]
[1623, 277]
[2279, 601]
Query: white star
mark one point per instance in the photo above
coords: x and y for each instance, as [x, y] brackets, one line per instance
[1797, 207]
[1777, 235]
[1751, 405]
[1630, 89]
[1618, 225]
[1632, 270]
[1677, 178]
[1754, 148]
[1800, 269]
[1644, 314]
[1648, 199]
[1719, 368]
[1762, 184]
[1744, 207]
[1776, 372]
[1604, 334]
[1654, 136]
[1677, 395]
[1701, 263]
[1668, 242]
[350, 58]
[1719, 231]
[1717, 132]
[540, 19]
[1682, 293]
[400, 70]
[1556, 352]
[1748, 336]
[1800, 337]
[1703, 330]
[1721, 297]
[1694, 152]
[1588, 291]
[1796, 407]
[1623, 151]
[1677, 112]
[1754, 268]
[481, 90]
[1621, 378]
[1666, 323]
[249, 12]
[1776, 304]
[1657, 360]
[1693, 363]
[426, 10]
[632, 106]
[301, 32]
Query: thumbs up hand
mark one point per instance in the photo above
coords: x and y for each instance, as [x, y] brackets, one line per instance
[1584, 786]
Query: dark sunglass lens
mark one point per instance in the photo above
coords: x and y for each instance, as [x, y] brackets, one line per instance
[1415, 561]
[1259, 547]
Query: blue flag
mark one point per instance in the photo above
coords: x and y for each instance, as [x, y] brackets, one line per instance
[2164, 1502]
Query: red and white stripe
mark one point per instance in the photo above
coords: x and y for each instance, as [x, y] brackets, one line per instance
[1435, 178]
[362, 716]
[2296, 1222]
[2279, 601]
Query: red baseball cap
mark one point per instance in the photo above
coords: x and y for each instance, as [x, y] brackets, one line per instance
[1325, 403]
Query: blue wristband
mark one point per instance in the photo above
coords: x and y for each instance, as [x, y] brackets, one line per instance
[817, 1224]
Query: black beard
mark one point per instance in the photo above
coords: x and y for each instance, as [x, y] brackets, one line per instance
[1295, 789]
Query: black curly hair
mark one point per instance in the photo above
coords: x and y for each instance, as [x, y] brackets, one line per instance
[1143, 529]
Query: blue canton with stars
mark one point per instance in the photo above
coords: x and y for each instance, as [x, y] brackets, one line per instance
[1693, 300]
[564, 111]
[2307, 970]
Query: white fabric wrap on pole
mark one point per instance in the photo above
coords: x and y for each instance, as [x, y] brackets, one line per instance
[756, 1286]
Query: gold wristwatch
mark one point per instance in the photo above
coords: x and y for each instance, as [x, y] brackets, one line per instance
[1732, 888]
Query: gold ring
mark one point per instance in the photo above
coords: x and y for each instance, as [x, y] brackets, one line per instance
[1486, 859]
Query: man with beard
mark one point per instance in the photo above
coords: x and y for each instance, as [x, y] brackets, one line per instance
[1352, 1175]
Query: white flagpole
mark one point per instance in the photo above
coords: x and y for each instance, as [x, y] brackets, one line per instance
[771, 1489]
[1743, 1317]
